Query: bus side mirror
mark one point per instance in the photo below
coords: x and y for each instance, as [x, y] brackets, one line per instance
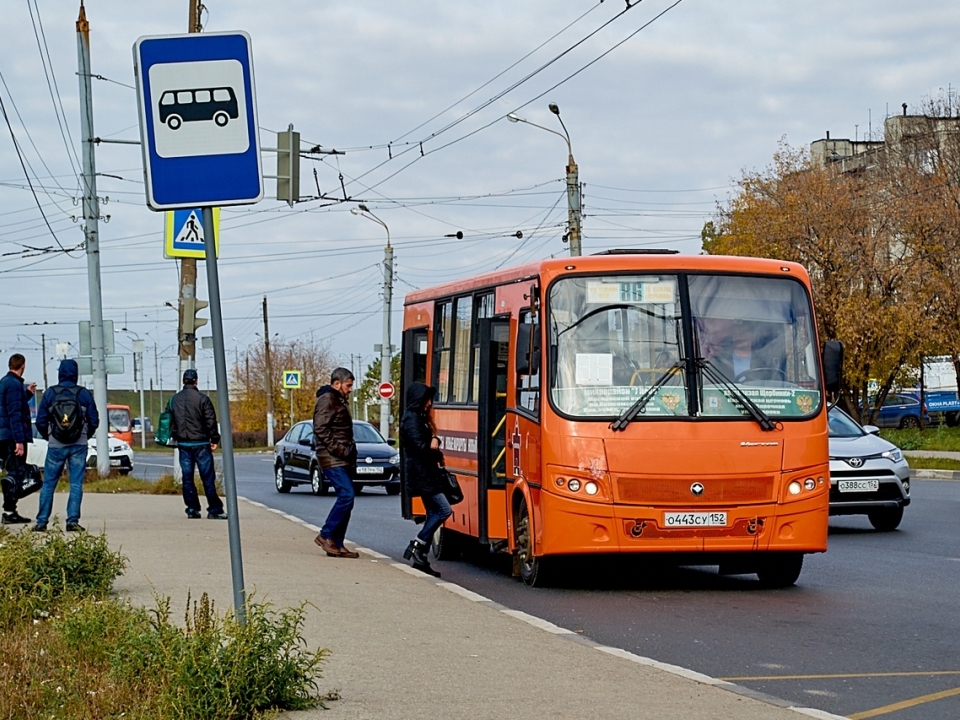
[832, 365]
[527, 358]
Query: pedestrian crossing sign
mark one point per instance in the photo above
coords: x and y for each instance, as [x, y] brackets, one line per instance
[184, 233]
[291, 379]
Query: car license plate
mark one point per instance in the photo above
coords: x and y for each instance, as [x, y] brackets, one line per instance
[115, 463]
[369, 470]
[858, 485]
[694, 519]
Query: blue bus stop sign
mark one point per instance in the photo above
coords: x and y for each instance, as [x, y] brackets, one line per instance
[198, 120]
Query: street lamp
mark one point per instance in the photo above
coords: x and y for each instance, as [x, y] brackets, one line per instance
[385, 353]
[138, 348]
[573, 179]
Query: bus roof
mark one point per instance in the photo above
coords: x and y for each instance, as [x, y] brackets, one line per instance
[614, 262]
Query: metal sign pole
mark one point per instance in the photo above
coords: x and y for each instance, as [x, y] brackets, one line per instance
[223, 402]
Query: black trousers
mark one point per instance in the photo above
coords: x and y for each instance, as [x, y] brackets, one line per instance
[16, 467]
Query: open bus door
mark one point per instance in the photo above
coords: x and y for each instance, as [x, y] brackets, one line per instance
[414, 369]
[494, 335]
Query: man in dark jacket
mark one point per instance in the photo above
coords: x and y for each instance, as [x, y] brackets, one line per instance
[15, 435]
[195, 429]
[65, 445]
[336, 453]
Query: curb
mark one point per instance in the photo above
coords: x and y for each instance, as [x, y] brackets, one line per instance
[935, 475]
[566, 634]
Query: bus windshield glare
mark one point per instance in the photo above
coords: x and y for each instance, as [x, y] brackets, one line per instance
[614, 339]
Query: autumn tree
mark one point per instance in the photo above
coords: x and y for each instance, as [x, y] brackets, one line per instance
[863, 240]
[367, 393]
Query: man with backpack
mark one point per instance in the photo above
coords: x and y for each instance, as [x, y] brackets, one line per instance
[15, 435]
[67, 418]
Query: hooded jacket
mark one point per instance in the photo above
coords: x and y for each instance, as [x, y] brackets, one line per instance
[67, 375]
[14, 410]
[421, 462]
[333, 429]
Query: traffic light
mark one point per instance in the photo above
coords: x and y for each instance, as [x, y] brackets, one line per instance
[191, 323]
[288, 166]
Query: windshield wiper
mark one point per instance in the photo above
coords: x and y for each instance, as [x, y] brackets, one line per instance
[628, 415]
[719, 378]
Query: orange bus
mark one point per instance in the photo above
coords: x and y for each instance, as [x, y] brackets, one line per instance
[121, 426]
[630, 402]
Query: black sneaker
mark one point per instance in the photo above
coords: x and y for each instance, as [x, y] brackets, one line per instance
[193, 514]
[216, 515]
[13, 518]
[75, 527]
[39, 528]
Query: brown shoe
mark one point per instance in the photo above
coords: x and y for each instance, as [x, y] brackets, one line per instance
[328, 547]
[344, 553]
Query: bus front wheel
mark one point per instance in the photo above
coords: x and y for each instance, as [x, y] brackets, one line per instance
[221, 119]
[174, 122]
[534, 571]
[780, 570]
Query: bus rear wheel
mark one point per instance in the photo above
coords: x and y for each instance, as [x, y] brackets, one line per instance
[780, 570]
[534, 571]
[174, 122]
[447, 544]
[221, 119]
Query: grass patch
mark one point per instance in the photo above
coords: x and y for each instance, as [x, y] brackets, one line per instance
[925, 463]
[70, 651]
[939, 438]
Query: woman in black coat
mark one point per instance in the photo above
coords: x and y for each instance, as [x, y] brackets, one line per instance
[423, 466]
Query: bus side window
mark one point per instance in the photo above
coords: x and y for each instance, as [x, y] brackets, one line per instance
[528, 373]
[168, 98]
[202, 96]
[222, 95]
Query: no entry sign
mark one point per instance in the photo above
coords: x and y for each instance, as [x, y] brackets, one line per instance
[385, 390]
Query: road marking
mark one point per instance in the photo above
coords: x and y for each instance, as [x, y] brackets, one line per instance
[917, 673]
[913, 702]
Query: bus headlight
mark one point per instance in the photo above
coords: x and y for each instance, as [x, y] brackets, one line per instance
[794, 488]
[810, 484]
[573, 484]
[591, 488]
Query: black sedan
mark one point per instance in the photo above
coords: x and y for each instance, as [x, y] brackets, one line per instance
[295, 460]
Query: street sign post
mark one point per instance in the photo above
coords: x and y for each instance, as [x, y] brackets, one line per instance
[385, 390]
[201, 149]
[198, 120]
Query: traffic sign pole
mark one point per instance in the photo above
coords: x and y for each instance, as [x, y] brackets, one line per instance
[226, 432]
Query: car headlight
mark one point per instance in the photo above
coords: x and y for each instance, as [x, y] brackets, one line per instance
[893, 455]
[395, 459]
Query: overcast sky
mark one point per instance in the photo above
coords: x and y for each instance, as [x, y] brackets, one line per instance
[661, 126]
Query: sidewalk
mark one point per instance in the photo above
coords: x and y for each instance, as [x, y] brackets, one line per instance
[402, 644]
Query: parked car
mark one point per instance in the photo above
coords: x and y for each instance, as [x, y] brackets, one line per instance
[121, 454]
[901, 410]
[868, 475]
[295, 460]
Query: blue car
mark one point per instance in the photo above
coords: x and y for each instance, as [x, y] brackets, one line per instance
[900, 410]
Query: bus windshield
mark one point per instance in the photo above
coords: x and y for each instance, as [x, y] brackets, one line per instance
[616, 339]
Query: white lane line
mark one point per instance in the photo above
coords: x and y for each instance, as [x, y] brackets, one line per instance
[463, 592]
[538, 622]
[152, 465]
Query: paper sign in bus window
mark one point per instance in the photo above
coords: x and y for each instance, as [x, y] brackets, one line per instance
[594, 369]
[639, 292]
[198, 108]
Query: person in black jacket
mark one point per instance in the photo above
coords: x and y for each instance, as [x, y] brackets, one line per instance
[15, 435]
[195, 429]
[423, 467]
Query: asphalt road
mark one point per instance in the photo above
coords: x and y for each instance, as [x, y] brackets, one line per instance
[871, 629]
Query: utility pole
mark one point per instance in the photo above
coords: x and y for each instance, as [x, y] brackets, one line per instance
[187, 342]
[385, 354]
[43, 346]
[91, 216]
[268, 379]
[573, 205]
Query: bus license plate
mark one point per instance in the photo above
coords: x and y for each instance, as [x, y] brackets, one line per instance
[368, 470]
[858, 485]
[694, 519]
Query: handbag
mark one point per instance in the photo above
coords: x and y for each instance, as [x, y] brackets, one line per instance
[164, 431]
[451, 487]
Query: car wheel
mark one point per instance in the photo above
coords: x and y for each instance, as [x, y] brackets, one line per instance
[283, 485]
[886, 519]
[124, 471]
[952, 419]
[317, 484]
[392, 489]
[447, 544]
[174, 122]
[221, 119]
[910, 421]
[534, 571]
[780, 570]
[357, 488]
